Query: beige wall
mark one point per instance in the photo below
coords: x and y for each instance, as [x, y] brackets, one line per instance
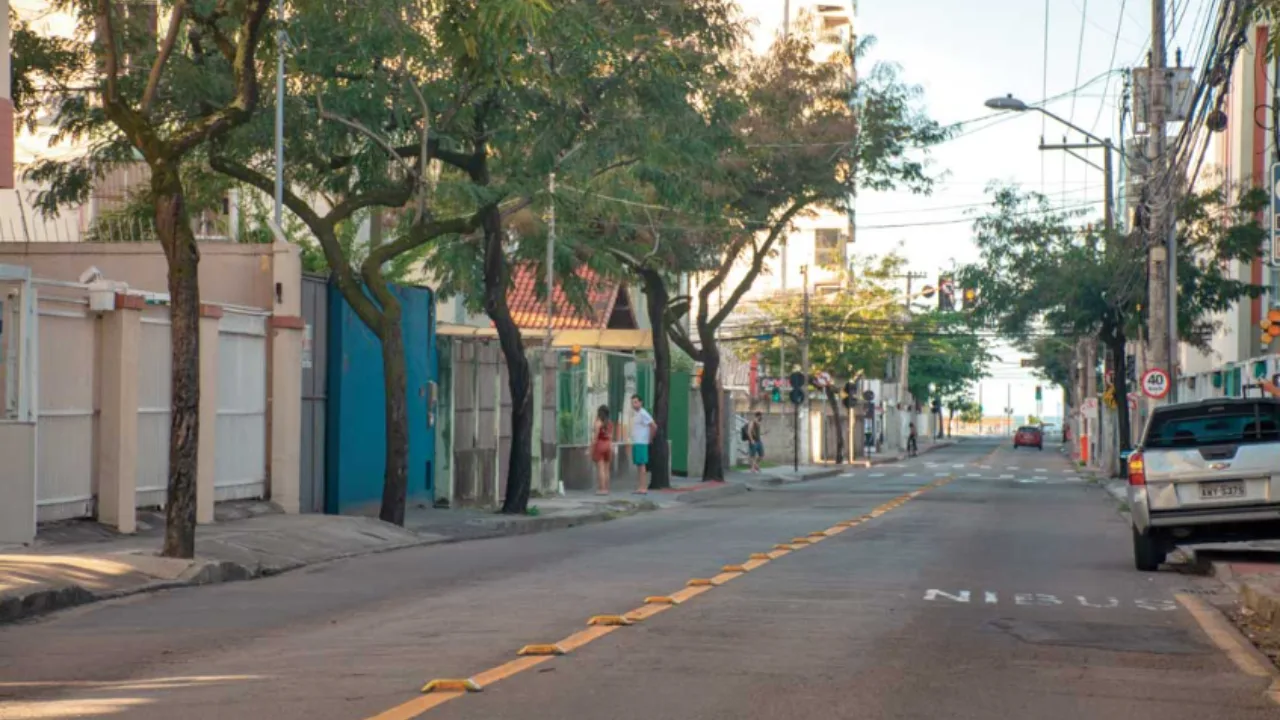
[231, 274]
[17, 482]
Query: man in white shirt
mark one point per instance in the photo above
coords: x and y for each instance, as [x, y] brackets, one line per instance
[642, 430]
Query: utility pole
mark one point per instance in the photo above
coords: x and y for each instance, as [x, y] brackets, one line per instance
[981, 409]
[281, 40]
[551, 260]
[1162, 294]
[804, 363]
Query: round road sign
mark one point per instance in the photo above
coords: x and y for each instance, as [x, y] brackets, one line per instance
[1155, 383]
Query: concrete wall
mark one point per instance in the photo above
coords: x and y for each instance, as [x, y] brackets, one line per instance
[229, 274]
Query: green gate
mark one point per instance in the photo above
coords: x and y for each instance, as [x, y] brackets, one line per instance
[678, 422]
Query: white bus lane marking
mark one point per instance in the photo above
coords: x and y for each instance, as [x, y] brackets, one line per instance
[991, 597]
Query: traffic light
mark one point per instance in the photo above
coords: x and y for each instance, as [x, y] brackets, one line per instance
[797, 387]
[1270, 326]
[776, 395]
[970, 298]
[575, 355]
[850, 395]
[1038, 397]
[946, 293]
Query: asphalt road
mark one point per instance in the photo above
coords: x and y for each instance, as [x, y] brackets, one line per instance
[1004, 589]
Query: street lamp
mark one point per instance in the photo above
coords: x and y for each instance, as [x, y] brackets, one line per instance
[1013, 104]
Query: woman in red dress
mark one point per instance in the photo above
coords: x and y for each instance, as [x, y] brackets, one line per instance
[602, 449]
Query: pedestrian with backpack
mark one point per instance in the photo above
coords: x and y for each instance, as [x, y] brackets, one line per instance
[751, 434]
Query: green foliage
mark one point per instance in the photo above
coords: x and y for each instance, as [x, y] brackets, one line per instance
[969, 411]
[42, 66]
[854, 331]
[946, 355]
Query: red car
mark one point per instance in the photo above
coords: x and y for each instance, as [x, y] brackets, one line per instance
[1028, 436]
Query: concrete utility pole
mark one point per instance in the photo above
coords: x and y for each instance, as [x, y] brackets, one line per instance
[804, 366]
[1161, 293]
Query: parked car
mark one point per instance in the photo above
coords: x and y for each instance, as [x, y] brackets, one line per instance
[1028, 436]
[1203, 472]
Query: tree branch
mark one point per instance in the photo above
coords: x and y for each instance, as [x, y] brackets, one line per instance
[360, 128]
[682, 341]
[245, 70]
[166, 49]
[761, 253]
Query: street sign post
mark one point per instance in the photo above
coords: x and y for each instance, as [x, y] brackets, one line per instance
[1155, 383]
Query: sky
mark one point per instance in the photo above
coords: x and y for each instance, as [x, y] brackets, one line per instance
[961, 54]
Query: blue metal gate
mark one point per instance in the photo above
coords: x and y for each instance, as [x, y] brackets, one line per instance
[356, 430]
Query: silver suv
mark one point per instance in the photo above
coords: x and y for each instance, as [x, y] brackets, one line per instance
[1205, 472]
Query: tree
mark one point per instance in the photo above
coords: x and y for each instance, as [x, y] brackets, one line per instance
[946, 357]
[162, 101]
[855, 333]
[812, 137]
[573, 100]
[1039, 276]
[41, 65]
[368, 136]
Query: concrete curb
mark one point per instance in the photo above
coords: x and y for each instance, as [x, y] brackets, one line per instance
[808, 477]
[729, 489]
[14, 608]
[1264, 604]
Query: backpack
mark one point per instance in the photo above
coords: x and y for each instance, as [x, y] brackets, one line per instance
[746, 432]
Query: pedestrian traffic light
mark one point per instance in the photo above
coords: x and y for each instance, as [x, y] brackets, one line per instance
[1038, 393]
[776, 396]
[575, 355]
[850, 395]
[797, 387]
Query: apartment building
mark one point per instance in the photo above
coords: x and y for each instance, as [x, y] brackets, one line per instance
[816, 252]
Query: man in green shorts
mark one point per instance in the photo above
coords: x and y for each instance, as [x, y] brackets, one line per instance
[643, 429]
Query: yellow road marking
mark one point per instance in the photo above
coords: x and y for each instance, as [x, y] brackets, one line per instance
[507, 669]
[601, 625]
[1223, 635]
[417, 706]
[452, 685]
[689, 593]
[541, 649]
[582, 637]
[646, 611]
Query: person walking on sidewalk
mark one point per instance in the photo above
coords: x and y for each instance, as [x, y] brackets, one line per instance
[642, 430]
[755, 443]
[912, 447]
[602, 449]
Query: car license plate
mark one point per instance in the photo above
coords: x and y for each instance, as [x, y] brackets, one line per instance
[1215, 490]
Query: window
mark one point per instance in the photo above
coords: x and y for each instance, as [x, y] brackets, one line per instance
[1228, 423]
[827, 248]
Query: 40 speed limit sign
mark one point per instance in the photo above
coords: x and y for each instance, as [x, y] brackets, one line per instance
[1155, 383]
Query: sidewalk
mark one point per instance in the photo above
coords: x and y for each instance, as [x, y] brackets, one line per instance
[80, 562]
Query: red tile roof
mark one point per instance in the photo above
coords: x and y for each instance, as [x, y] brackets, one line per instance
[530, 311]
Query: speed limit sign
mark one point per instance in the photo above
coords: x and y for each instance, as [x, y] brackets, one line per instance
[1155, 383]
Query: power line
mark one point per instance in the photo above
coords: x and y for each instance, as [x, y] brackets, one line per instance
[1115, 46]
[1084, 10]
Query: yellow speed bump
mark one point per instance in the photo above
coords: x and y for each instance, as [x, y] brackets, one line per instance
[759, 556]
[818, 533]
[659, 600]
[698, 582]
[609, 620]
[545, 649]
[800, 541]
[734, 568]
[784, 547]
[452, 685]
[848, 523]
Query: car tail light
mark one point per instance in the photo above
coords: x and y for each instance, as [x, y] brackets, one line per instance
[1137, 470]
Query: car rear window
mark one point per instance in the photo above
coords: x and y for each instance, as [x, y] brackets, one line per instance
[1201, 425]
[1028, 429]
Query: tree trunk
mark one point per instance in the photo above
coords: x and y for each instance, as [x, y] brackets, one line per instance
[395, 384]
[951, 420]
[520, 461]
[656, 298]
[174, 230]
[833, 399]
[713, 467]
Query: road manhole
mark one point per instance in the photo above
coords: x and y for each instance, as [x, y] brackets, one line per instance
[1103, 636]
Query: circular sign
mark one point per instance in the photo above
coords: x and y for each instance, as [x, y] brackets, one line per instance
[1155, 383]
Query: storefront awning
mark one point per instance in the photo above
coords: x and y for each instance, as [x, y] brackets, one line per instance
[602, 339]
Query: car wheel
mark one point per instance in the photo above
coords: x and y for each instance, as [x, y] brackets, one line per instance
[1148, 551]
